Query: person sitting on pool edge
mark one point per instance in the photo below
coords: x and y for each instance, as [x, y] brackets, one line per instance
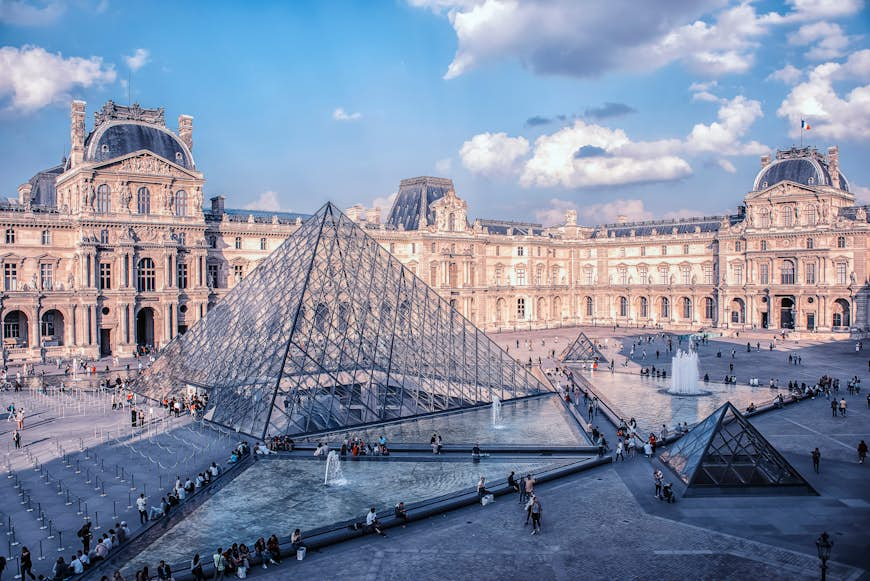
[475, 453]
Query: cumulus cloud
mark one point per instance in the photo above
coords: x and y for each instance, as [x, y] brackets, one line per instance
[32, 78]
[862, 194]
[444, 166]
[493, 154]
[832, 115]
[727, 166]
[267, 201]
[608, 110]
[341, 115]
[138, 59]
[20, 13]
[827, 39]
[736, 116]
[789, 74]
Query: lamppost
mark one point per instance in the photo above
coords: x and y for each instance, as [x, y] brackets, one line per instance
[823, 546]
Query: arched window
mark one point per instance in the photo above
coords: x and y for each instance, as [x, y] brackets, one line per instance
[623, 307]
[181, 203]
[590, 306]
[145, 277]
[143, 201]
[666, 308]
[103, 205]
[841, 241]
[451, 223]
[810, 243]
[764, 220]
[787, 272]
[644, 307]
[687, 308]
[709, 308]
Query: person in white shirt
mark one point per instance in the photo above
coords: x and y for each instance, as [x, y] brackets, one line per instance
[372, 523]
[77, 567]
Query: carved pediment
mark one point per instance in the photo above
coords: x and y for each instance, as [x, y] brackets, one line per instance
[146, 163]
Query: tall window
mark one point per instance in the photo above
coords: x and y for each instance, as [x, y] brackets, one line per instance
[687, 308]
[103, 203]
[644, 307]
[764, 273]
[105, 275]
[10, 276]
[708, 274]
[213, 275]
[810, 273]
[765, 219]
[810, 214]
[643, 274]
[143, 201]
[521, 308]
[145, 275]
[786, 273]
[623, 307]
[643, 250]
[664, 250]
[685, 248]
[764, 244]
[663, 275]
[841, 241]
[738, 246]
[238, 273]
[212, 241]
[46, 237]
[709, 308]
[238, 243]
[810, 243]
[521, 251]
[666, 308]
[104, 236]
[48, 326]
[590, 306]
[10, 236]
[182, 238]
[263, 244]
[181, 203]
[46, 276]
[623, 275]
[686, 275]
[521, 276]
[841, 273]
[588, 276]
[181, 274]
[738, 274]
[787, 216]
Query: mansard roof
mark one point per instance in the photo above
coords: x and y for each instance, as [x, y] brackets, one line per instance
[117, 138]
[411, 209]
[703, 224]
[799, 165]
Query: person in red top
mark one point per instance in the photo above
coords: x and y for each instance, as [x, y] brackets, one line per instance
[652, 442]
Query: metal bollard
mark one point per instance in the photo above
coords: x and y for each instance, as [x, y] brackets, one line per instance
[14, 542]
[97, 520]
[41, 556]
[132, 482]
[79, 511]
[50, 534]
[60, 547]
[103, 489]
[114, 510]
[68, 501]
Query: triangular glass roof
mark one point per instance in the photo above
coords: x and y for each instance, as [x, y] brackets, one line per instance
[332, 331]
[582, 349]
[726, 451]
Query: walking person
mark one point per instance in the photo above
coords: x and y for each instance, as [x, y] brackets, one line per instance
[843, 407]
[142, 506]
[536, 510]
[220, 565]
[657, 478]
[16, 439]
[26, 563]
[834, 407]
[619, 454]
[862, 451]
[85, 535]
[816, 457]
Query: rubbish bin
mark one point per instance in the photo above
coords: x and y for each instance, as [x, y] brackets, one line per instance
[300, 553]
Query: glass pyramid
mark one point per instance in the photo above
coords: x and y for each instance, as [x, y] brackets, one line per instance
[581, 350]
[332, 331]
[726, 452]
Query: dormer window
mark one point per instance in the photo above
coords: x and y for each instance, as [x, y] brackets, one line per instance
[178, 156]
[811, 180]
[104, 148]
[763, 185]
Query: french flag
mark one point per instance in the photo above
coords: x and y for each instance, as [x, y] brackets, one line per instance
[804, 125]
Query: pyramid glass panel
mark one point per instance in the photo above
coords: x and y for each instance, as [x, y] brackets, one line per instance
[332, 331]
[582, 349]
[725, 452]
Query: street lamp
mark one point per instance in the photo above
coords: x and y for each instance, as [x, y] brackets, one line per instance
[823, 546]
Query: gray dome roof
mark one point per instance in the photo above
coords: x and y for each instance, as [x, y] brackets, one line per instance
[813, 171]
[116, 139]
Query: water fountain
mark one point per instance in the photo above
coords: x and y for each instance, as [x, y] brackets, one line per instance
[496, 412]
[333, 474]
[684, 374]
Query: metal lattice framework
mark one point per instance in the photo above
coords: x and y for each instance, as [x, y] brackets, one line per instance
[332, 331]
[725, 451]
[581, 350]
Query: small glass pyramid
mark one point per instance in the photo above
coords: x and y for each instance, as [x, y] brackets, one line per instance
[726, 452]
[581, 350]
[332, 331]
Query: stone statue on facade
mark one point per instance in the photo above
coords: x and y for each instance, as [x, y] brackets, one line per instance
[126, 197]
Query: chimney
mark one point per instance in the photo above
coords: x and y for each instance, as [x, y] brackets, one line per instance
[185, 130]
[373, 215]
[77, 133]
[765, 161]
[571, 218]
[217, 205]
[834, 166]
[24, 193]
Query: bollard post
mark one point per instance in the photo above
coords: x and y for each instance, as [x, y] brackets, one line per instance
[79, 510]
[50, 533]
[78, 470]
[114, 510]
[103, 489]
[41, 556]
[87, 476]
[68, 501]
[132, 482]
[60, 547]
[97, 519]
[87, 516]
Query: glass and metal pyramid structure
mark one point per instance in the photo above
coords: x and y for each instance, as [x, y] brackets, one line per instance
[582, 350]
[331, 331]
[726, 454]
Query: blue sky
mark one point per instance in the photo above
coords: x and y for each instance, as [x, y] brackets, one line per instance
[649, 110]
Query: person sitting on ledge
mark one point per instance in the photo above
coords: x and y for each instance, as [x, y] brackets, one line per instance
[296, 540]
[512, 482]
[706, 378]
[401, 512]
[751, 408]
[373, 525]
[481, 487]
[475, 453]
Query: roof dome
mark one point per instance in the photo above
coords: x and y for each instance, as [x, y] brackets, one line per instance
[803, 166]
[115, 139]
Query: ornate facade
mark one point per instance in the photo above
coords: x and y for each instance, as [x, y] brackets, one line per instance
[113, 248]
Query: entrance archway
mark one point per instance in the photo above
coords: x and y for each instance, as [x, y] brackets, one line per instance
[786, 313]
[738, 311]
[840, 317]
[15, 326]
[52, 328]
[145, 327]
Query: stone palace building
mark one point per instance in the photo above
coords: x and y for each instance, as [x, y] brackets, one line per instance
[114, 248]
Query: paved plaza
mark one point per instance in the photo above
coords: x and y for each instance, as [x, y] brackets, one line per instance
[600, 523]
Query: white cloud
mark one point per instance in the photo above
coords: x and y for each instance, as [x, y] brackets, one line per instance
[862, 194]
[32, 78]
[735, 118]
[384, 202]
[493, 154]
[827, 39]
[727, 166]
[267, 201]
[830, 114]
[789, 74]
[815, 9]
[138, 59]
[341, 115]
[444, 166]
[21, 13]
